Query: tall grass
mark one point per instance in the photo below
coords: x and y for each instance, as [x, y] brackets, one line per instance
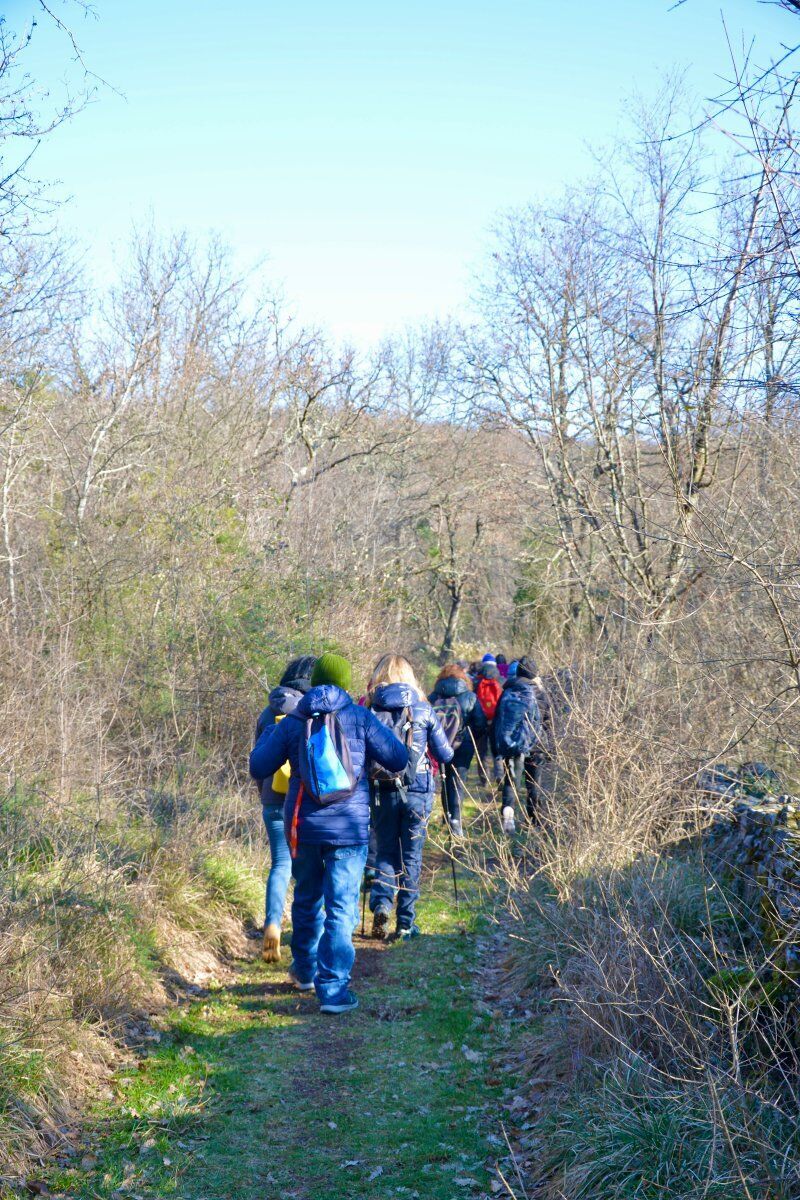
[104, 908]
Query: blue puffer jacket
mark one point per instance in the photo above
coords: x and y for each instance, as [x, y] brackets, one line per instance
[346, 822]
[427, 735]
[280, 702]
[474, 719]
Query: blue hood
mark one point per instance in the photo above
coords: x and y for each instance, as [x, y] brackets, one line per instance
[394, 695]
[325, 698]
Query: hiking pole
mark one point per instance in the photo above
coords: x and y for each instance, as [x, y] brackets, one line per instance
[363, 907]
[453, 868]
[450, 833]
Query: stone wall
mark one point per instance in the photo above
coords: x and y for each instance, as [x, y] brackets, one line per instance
[758, 841]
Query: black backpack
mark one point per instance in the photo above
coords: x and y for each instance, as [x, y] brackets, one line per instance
[401, 723]
[451, 718]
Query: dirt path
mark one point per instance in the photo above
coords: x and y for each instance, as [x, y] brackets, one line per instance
[251, 1093]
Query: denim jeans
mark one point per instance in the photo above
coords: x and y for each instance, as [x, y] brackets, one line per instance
[280, 868]
[327, 882]
[401, 823]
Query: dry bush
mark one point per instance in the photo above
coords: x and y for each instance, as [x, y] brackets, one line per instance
[668, 1027]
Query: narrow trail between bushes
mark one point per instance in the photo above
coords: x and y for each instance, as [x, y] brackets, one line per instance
[251, 1093]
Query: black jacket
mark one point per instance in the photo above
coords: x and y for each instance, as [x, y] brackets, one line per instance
[282, 700]
[474, 719]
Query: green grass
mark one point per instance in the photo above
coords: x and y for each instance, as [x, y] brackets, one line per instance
[252, 1093]
[641, 1137]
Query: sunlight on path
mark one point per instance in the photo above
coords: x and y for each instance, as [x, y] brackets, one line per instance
[253, 1094]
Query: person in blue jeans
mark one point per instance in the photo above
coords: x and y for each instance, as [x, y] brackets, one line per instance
[328, 842]
[283, 699]
[401, 805]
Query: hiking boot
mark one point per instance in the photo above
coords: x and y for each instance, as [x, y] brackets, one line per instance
[406, 933]
[456, 828]
[298, 983]
[380, 920]
[271, 949]
[346, 1001]
[507, 819]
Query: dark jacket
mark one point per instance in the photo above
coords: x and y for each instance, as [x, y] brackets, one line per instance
[427, 735]
[281, 701]
[525, 688]
[346, 822]
[474, 719]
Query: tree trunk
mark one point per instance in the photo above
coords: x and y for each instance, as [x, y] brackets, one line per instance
[446, 652]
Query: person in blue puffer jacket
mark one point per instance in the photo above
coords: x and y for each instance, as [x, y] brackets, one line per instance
[401, 805]
[283, 699]
[328, 842]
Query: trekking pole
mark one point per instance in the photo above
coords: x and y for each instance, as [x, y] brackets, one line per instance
[363, 908]
[450, 836]
[453, 868]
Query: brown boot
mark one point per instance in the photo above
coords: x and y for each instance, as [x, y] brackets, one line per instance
[271, 950]
[380, 923]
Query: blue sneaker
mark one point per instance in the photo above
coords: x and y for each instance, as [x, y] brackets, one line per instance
[344, 1002]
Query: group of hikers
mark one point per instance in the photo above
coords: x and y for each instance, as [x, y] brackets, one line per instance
[347, 789]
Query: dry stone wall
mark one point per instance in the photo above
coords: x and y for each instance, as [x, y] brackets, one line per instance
[758, 840]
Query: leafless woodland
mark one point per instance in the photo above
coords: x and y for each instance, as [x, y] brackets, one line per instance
[601, 466]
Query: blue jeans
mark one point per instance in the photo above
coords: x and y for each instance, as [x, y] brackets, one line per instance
[280, 868]
[327, 881]
[401, 823]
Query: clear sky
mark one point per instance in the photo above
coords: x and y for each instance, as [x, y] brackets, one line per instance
[361, 147]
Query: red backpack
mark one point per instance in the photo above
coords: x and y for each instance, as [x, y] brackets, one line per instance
[489, 693]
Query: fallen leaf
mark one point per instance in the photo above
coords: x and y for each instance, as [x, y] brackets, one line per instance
[378, 1171]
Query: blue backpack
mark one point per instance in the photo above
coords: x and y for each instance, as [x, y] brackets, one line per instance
[517, 723]
[326, 765]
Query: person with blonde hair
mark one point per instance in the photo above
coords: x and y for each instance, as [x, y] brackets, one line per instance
[402, 802]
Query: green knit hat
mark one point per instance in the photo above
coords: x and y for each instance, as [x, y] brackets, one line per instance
[332, 668]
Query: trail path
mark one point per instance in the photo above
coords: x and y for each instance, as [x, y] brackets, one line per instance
[252, 1094]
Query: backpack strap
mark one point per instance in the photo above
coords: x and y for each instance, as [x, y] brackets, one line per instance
[295, 822]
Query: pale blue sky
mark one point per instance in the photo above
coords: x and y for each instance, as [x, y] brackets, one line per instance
[362, 147]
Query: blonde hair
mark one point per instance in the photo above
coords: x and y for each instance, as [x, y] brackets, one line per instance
[391, 668]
